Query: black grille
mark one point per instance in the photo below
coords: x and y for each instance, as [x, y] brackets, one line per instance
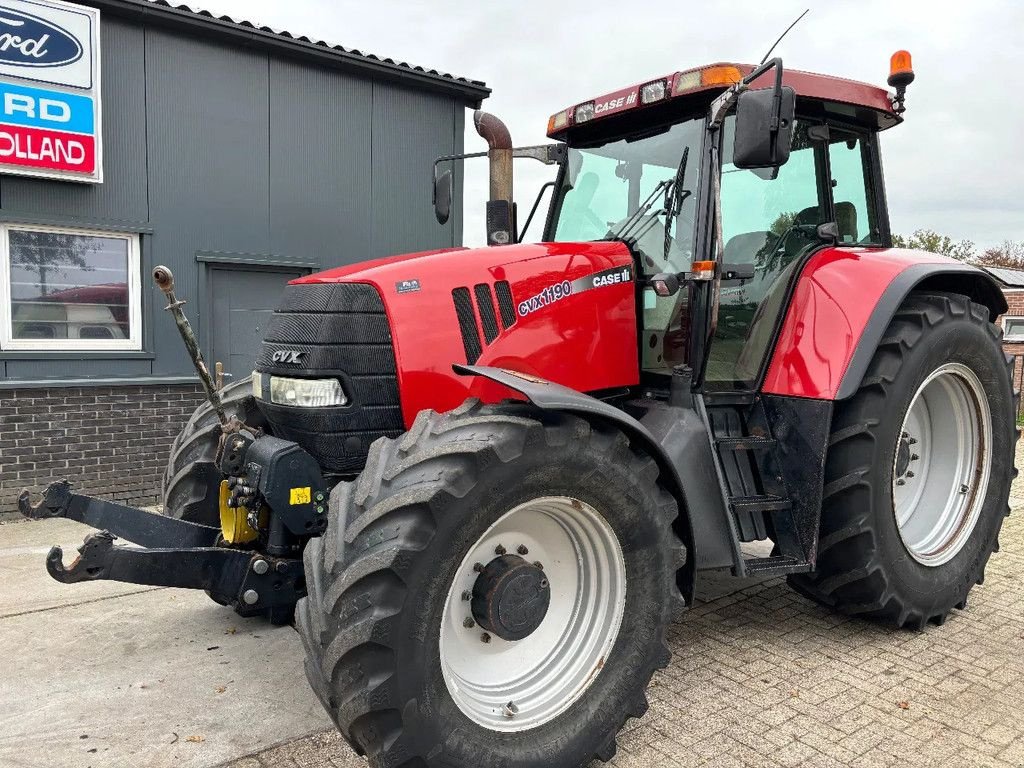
[467, 324]
[505, 304]
[341, 331]
[485, 306]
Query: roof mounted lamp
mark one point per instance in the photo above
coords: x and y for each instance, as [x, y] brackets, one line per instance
[901, 74]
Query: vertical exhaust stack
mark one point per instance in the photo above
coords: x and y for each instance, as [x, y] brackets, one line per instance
[501, 213]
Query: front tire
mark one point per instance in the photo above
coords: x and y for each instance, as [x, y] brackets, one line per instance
[410, 680]
[192, 479]
[918, 472]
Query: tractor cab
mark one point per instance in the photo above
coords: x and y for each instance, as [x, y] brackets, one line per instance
[637, 169]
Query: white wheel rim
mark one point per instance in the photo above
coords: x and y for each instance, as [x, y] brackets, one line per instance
[513, 686]
[941, 479]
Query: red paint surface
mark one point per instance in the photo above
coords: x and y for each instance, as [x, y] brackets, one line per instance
[807, 84]
[51, 150]
[586, 341]
[834, 298]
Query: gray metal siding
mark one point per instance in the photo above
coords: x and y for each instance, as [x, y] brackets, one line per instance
[319, 164]
[249, 156]
[410, 129]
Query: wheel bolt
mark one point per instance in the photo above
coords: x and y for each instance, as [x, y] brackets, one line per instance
[485, 638]
[468, 623]
[538, 564]
[478, 567]
[510, 709]
[499, 550]
[522, 550]
[543, 583]
[467, 595]
[912, 441]
[964, 489]
[901, 481]
[914, 457]
[909, 473]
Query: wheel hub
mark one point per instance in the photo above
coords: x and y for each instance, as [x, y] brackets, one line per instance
[511, 597]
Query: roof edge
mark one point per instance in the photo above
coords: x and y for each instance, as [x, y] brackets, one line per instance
[471, 92]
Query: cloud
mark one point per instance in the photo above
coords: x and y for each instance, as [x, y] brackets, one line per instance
[952, 166]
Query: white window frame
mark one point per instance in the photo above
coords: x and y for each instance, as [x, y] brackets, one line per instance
[7, 341]
[1006, 320]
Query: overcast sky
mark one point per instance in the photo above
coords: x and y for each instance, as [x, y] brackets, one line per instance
[952, 166]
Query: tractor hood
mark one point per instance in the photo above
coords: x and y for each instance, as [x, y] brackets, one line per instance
[390, 331]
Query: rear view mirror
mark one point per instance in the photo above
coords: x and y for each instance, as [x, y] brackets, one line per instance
[443, 196]
[763, 138]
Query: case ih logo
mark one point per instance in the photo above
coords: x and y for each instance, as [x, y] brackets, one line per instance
[289, 356]
[28, 41]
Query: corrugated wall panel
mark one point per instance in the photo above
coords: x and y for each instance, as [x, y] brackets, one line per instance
[410, 129]
[207, 108]
[319, 164]
[122, 195]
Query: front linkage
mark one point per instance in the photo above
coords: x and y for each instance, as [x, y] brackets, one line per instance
[273, 499]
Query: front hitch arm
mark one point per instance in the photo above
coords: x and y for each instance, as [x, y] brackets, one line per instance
[135, 525]
[172, 553]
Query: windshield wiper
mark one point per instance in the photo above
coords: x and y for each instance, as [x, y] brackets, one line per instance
[624, 229]
[676, 196]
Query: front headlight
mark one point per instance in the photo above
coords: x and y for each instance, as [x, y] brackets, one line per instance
[305, 393]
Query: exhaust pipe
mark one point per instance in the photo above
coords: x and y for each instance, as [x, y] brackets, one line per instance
[501, 226]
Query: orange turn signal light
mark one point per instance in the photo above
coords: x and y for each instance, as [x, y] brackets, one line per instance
[721, 75]
[702, 270]
[901, 71]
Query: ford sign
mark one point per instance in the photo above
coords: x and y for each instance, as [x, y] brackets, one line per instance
[28, 41]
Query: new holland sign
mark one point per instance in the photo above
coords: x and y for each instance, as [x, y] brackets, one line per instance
[50, 90]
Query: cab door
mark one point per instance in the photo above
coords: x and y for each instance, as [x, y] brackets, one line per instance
[769, 220]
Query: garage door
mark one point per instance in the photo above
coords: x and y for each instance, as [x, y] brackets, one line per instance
[243, 301]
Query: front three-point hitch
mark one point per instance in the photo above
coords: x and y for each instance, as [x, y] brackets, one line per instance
[273, 499]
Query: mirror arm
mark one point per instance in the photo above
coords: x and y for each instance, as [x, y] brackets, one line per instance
[536, 204]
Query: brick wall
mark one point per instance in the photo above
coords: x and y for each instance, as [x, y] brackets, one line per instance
[107, 441]
[1015, 302]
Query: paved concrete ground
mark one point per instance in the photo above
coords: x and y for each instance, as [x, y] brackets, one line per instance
[760, 677]
[108, 675]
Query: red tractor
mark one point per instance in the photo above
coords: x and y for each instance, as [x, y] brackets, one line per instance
[491, 478]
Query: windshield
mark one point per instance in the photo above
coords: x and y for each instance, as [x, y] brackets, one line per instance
[606, 187]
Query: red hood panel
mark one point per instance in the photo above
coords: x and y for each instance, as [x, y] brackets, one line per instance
[572, 318]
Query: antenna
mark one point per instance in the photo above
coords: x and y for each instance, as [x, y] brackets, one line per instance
[783, 35]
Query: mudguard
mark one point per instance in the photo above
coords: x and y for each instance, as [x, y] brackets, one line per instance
[844, 300]
[549, 396]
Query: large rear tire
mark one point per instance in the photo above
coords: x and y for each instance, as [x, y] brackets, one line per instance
[192, 480]
[394, 634]
[918, 472]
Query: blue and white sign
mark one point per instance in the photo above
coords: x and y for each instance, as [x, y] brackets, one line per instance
[50, 90]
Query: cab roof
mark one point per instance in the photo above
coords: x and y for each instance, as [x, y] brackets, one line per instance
[716, 77]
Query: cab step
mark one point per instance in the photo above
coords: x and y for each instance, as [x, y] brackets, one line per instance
[775, 565]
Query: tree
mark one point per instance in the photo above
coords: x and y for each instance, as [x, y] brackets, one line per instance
[1010, 254]
[932, 241]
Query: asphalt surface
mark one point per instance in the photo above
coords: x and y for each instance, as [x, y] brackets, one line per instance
[106, 674]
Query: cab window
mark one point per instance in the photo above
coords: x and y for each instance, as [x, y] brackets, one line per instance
[769, 218]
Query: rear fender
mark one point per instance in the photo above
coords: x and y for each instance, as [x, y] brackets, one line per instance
[549, 396]
[844, 300]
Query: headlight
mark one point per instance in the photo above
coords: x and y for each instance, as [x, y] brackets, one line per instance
[305, 393]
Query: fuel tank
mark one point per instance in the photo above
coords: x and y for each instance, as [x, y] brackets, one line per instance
[391, 329]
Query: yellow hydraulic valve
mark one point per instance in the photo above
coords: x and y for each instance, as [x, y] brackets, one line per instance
[234, 521]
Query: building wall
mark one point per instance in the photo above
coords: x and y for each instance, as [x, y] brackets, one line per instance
[1015, 308]
[109, 441]
[219, 156]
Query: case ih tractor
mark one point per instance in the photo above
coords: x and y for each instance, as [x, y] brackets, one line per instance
[491, 478]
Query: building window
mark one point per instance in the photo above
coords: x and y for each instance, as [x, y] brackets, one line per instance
[1013, 329]
[68, 289]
